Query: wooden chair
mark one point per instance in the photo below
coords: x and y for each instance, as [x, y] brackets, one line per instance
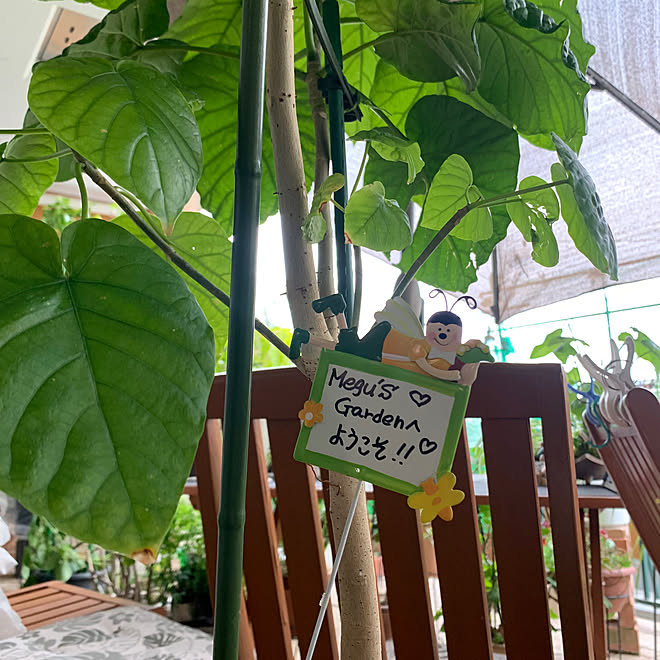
[505, 398]
[632, 457]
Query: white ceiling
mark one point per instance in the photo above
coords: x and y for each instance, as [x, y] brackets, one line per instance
[25, 25]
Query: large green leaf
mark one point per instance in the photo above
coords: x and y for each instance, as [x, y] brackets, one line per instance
[124, 31]
[489, 147]
[202, 242]
[129, 120]
[375, 222]
[106, 362]
[215, 79]
[209, 22]
[450, 267]
[23, 184]
[525, 78]
[581, 209]
[425, 40]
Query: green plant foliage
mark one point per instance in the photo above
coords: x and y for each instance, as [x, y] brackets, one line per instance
[375, 222]
[452, 189]
[23, 184]
[425, 40]
[533, 215]
[562, 347]
[206, 23]
[450, 267]
[315, 226]
[394, 176]
[202, 242]
[107, 365]
[215, 80]
[645, 348]
[491, 151]
[396, 93]
[142, 132]
[104, 4]
[526, 79]
[529, 15]
[581, 209]
[390, 145]
[123, 31]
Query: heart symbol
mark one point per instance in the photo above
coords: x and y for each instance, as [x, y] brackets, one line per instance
[419, 399]
[427, 446]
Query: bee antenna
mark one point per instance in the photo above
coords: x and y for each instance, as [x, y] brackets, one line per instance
[436, 292]
[469, 301]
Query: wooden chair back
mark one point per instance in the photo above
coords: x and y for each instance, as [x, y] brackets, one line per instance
[632, 457]
[505, 398]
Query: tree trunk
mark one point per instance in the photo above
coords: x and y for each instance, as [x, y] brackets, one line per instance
[357, 582]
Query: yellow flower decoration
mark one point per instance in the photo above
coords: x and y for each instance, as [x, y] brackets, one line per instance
[438, 498]
[311, 413]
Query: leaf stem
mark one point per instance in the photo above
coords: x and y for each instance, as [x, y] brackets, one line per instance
[188, 48]
[361, 47]
[359, 174]
[357, 298]
[84, 200]
[339, 206]
[37, 130]
[38, 159]
[429, 250]
[516, 193]
[100, 180]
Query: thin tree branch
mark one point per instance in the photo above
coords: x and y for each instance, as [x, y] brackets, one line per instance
[163, 245]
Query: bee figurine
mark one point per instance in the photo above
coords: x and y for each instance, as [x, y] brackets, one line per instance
[436, 351]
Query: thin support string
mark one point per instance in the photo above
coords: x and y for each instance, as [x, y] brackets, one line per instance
[325, 599]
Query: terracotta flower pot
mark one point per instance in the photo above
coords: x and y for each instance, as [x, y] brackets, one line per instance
[617, 587]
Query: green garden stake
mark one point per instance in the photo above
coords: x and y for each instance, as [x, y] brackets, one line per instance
[231, 518]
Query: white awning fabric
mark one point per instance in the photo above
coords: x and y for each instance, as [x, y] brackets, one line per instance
[622, 155]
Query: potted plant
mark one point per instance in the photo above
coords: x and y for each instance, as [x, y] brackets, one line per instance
[617, 571]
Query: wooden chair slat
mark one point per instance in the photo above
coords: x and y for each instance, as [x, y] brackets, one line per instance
[303, 539]
[458, 559]
[266, 600]
[45, 619]
[597, 596]
[570, 569]
[401, 537]
[517, 538]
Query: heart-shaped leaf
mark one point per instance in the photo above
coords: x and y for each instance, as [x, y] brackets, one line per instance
[525, 77]
[375, 222]
[391, 145]
[202, 242]
[129, 120]
[107, 362]
[23, 183]
[645, 348]
[545, 250]
[123, 31]
[581, 209]
[425, 40]
[489, 147]
[448, 192]
[315, 226]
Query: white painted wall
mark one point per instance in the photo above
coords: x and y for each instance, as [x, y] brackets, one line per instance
[25, 23]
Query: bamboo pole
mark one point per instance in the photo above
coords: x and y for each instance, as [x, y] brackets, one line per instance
[231, 519]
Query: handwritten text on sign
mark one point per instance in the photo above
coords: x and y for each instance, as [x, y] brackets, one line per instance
[391, 426]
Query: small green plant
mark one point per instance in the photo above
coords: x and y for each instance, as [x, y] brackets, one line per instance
[60, 213]
[50, 554]
[611, 556]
